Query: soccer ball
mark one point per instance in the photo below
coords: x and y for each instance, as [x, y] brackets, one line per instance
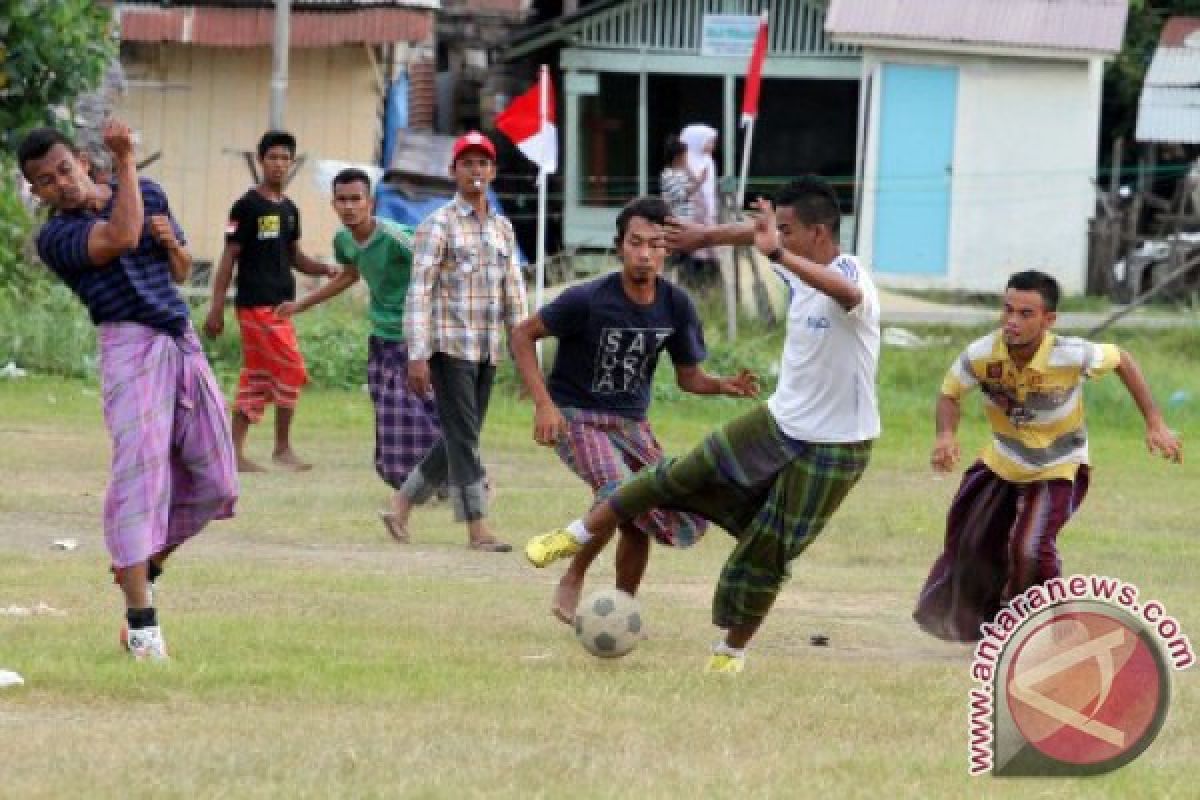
[608, 623]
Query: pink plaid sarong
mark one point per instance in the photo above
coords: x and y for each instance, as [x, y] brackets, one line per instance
[604, 449]
[173, 467]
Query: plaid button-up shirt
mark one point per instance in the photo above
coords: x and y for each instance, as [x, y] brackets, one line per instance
[466, 285]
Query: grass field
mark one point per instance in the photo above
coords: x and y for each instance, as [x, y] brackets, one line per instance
[314, 658]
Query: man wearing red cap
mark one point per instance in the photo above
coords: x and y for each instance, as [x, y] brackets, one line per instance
[466, 287]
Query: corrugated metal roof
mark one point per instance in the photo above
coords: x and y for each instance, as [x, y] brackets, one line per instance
[324, 5]
[1169, 106]
[246, 27]
[1174, 66]
[1169, 115]
[1084, 25]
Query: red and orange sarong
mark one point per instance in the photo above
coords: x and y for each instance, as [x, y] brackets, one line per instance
[273, 369]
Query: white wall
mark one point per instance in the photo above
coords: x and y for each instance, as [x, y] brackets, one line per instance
[1025, 156]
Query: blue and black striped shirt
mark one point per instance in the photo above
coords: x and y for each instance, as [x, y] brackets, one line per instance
[137, 286]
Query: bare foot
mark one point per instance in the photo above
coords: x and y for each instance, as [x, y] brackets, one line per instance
[566, 598]
[289, 460]
[246, 465]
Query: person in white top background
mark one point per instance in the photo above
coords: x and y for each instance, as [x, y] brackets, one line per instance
[774, 476]
[703, 268]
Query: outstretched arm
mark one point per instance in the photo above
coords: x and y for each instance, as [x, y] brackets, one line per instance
[340, 283]
[684, 236]
[1159, 438]
[694, 380]
[305, 263]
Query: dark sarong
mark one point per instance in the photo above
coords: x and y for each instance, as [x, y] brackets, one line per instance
[1001, 539]
[406, 426]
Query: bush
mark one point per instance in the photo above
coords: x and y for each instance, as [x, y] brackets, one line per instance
[51, 334]
[17, 273]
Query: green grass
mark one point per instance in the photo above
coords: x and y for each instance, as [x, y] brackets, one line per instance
[313, 658]
[993, 301]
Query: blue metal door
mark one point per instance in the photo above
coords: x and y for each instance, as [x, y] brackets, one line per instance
[916, 157]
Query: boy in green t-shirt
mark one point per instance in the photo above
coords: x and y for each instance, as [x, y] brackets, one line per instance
[379, 250]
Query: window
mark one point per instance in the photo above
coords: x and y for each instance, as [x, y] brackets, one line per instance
[608, 142]
[804, 126]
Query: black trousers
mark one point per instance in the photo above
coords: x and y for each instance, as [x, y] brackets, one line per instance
[462, 390]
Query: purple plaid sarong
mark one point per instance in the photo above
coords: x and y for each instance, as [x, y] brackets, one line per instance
[605, 449]
[405, 426]
[173, 466]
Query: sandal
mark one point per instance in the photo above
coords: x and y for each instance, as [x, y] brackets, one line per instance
[395, 529]
[490, 546]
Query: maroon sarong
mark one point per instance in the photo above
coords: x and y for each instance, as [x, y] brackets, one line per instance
[1001, 539]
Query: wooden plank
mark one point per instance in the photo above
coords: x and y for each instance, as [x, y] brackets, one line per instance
[1145, 297]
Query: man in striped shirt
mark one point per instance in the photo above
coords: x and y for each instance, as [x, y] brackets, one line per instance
[1002, 527]
[466, 289]
[118, 248]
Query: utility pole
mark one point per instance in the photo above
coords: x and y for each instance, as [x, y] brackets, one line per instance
[279, 62]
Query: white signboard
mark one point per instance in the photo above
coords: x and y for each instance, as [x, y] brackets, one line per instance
[728, 35]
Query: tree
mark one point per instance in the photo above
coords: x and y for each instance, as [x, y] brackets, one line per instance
[1125, 75]
[52, 51]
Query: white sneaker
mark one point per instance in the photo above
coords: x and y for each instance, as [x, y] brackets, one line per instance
[147, 644]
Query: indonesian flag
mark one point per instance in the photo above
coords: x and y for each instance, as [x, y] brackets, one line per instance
[754, 73]
[535, 135]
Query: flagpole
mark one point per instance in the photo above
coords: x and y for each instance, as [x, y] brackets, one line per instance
[742, 179]
[750, 104]
[543, 181]
[749, 120]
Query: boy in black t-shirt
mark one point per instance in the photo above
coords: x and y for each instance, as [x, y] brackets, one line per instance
[262, 238]
[610, 333]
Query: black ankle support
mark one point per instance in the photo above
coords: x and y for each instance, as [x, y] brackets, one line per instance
[141, 617]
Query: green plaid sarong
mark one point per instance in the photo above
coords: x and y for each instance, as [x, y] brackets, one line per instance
[772, 493]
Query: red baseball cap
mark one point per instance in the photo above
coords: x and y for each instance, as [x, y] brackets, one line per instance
[473, 140]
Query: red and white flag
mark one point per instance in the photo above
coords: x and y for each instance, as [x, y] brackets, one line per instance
[523, 122]
[754, 73]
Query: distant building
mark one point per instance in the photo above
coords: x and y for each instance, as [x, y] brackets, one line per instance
[472, 81]
[981, 133]
[198, 80]
[1169, 106]
[630, 72]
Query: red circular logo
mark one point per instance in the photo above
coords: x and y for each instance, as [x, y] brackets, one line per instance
[1085, 687]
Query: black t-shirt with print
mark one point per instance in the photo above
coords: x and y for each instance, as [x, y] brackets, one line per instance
[608, 345]
[266, 231]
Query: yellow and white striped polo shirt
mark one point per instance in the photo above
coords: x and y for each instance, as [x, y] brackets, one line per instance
[1036, 413]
